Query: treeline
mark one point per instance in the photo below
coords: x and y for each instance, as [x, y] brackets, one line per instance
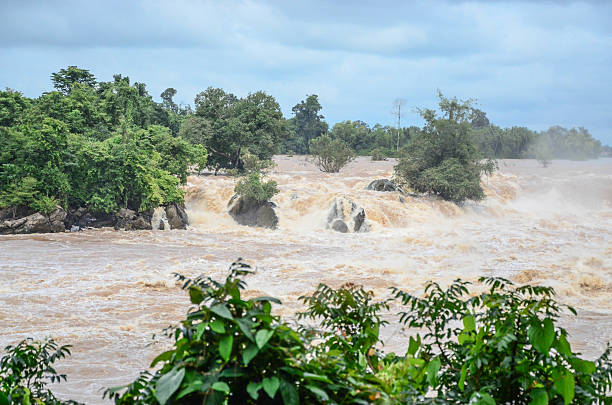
[494, 142]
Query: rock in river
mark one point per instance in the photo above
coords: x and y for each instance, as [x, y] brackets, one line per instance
[249, 211]
[345, 216]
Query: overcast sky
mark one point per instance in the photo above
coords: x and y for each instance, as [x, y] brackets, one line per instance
[533, 64]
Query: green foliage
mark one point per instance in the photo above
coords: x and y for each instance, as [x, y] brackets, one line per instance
[378, 154]
[252, 186]
[508, 348]
[227, 349]
[92, 144]
[330, 155]
[65, 79]
[307, 124]
[227, 126]
[443, 159]
[27, 368]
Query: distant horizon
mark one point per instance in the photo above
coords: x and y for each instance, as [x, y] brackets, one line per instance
[533, 65]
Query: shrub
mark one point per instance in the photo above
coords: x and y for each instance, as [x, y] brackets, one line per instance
[251, 186]
[26, 369]
[378, 154]
[330, 155]
[501, 346]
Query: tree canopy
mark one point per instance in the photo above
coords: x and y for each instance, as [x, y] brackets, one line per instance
[442, 159]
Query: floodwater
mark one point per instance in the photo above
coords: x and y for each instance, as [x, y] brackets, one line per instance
[106, 292]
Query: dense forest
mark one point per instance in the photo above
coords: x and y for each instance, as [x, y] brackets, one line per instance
[109, 145]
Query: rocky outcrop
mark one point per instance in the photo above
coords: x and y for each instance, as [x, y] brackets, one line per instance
[177, 216]
[35, 223]
[346, 216]
[129, 220]
[172, 216]
[250, 212]
[382, 185]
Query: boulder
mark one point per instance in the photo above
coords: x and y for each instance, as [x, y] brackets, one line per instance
[35, 223]
[177, 216]
[130, 220]
[345, 216]
[382, 185]
[250, 212]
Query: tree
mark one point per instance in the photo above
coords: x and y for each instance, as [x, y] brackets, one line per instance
[66, 78]
[254, 124]
[443, 159]
[307, 124]
[330, 155]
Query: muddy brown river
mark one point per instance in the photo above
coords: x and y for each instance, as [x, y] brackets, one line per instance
[106, 292]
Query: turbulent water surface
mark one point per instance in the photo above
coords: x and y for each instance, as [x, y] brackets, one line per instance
[107, 292]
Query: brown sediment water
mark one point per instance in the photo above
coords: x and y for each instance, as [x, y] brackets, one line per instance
[106, 292]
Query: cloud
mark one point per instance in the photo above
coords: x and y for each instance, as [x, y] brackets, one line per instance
[529, 63]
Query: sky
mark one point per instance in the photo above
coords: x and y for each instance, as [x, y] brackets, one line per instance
[533, 64]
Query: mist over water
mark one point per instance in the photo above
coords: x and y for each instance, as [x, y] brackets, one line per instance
[106, 292]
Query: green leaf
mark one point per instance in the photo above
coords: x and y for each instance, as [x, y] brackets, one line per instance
[245, 327]
[289, 393]
[165, 356]
[316, 377]
[542, 337]
[168, 384]
[322, 395]
[225, 347]
[270, 299]
[414, 345]
[217, 326]
[195, 294]
[564, 347]
[271, 385]
[432, 371]
[249, 353]
[481, 398]
[221, 387]
[464, 370]
[253, 389]
[469, 323]
[200, 330]
[565, 387]
[222, 311]
[262, 336]
[539, 396]
[587, 367]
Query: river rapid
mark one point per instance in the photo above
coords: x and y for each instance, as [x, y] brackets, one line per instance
[106, 292]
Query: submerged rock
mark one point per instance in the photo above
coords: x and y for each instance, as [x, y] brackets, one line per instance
[250, 212]
[345, 216]
[382, 185]
[35, 223]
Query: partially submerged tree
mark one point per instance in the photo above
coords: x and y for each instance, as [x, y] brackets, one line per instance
[330, 155]
[442, 159]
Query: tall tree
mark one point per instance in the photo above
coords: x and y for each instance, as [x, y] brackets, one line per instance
[229, 126]
[307, 124]
[66, 78]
